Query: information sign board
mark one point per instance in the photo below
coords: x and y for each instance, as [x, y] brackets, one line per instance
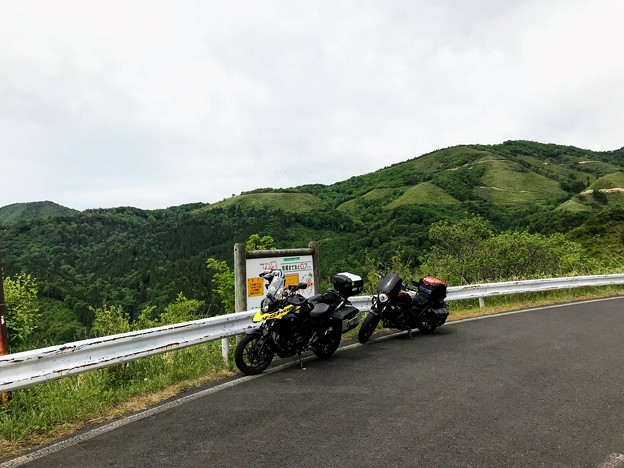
[296, 269]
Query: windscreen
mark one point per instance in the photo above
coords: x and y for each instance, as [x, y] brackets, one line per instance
[389, 283]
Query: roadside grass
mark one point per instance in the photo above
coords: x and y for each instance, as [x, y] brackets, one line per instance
[41, 414]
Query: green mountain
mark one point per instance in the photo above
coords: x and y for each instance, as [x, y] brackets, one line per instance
[511, 174]
[137, 258]
[35, 210]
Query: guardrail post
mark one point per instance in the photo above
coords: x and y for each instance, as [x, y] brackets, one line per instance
[240, 293]
[225, 350]
[481, 303]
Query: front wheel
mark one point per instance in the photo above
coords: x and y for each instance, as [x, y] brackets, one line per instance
[328, 342]
[253, 354]
[369, 325]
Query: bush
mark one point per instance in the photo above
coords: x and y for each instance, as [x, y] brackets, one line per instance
[468, 252]
[21, 310]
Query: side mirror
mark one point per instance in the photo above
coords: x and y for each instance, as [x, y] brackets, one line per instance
[302, 286]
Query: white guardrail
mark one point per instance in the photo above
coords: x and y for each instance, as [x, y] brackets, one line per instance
[28, 368]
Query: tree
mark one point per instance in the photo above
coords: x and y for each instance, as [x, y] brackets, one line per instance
[110, 321]
[456, 245]
[182, 310]
[600, 197]
[223, 276]
[255, 242]
[468, 252]
[518, 255]
[222, 283]
[21, 309]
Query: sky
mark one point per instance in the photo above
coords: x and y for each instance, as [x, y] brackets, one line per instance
[157, 103]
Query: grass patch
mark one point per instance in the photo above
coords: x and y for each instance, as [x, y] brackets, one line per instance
[573, 205]
[601, 167]
[505, 184]
[556, 170]
[424, 194]
[615, 180]
[380, 193]
[349, 205]
[615, 198]
[290, 202]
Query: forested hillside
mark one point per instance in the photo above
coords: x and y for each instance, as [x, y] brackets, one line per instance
[137, 259]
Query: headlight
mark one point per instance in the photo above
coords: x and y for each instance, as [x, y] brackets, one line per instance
[265, 306]
[383, 297]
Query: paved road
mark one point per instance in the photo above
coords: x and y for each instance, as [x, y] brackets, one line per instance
[539, 388]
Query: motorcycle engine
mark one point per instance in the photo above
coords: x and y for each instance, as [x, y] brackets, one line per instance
[287, 345]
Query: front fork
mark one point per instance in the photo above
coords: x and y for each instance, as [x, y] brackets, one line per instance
[376, 308]
[265, 332]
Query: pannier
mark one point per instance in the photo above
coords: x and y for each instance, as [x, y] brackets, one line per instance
[349, 317]
[432, 289]
[348, 284]
[442, 314]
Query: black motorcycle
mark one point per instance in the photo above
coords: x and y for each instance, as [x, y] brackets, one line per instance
[291, 324]
[399, 306]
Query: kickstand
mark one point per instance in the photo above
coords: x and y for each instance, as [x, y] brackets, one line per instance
[410, 334]
[300, 361]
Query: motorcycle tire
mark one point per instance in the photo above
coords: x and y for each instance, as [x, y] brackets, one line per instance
[368, 327]
[328, 343]
[253, 354]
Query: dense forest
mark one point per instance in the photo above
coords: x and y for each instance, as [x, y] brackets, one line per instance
[518, 193]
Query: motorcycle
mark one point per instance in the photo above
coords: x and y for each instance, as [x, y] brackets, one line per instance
[292, 324]
[399, 306]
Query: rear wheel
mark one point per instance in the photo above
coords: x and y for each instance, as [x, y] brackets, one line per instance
[328, 342]
[253, 354]
[368, 327]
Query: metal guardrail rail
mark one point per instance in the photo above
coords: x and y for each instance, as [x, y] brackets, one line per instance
[28, 368]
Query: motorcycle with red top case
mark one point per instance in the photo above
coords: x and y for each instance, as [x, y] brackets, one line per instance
[402, 307]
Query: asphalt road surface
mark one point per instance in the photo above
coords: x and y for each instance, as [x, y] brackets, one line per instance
[537, 388]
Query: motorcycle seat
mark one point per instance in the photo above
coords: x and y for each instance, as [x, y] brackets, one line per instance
[320, 311]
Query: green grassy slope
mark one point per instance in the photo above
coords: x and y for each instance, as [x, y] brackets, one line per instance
[291, 202]
[506, 183]
[609, 181]
[424, 194]
[34, 210]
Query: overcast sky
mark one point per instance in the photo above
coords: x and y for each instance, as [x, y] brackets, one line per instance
[158, 103]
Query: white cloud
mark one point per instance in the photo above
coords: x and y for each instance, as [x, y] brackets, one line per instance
[153, 104]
